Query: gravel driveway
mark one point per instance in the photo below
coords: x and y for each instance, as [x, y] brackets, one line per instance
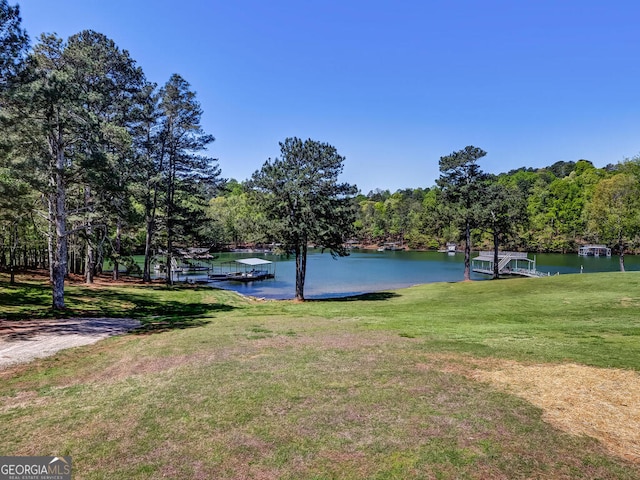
[22, 341]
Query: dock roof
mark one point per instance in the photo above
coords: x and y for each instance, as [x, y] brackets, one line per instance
[253, 261]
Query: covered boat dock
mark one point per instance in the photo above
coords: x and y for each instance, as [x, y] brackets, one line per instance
[594, 251]
[509, 263]
[244, 270]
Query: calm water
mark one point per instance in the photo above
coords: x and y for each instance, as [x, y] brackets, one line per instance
[370, 271]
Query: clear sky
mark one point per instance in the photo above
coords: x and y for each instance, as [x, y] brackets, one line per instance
[393, 85]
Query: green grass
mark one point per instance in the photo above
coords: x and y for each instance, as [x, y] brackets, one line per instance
[217, 386]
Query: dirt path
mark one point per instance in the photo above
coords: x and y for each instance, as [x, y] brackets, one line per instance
[22, 341]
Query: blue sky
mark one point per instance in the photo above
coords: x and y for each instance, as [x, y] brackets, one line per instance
[393, 85]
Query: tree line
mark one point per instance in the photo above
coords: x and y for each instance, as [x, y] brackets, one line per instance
[99, 163]
[550, 209]
[95, 160]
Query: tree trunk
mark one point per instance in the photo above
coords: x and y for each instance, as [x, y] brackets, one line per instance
[496, 259]
[169, 243]
[50, 238]
[116, 263]
[151, 205]
[12, 268]
[621, 245]
[150, 224]
[13, 244]
[58, 201]
[169, 280]
[89, 263]
[146, 270]
[60, 251]
[301, 270]
[90, 257]
[467, 251]
[99, 253]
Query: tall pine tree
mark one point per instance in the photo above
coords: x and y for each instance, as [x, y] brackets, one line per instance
[304, 201]
[187, 175]
[461, 183]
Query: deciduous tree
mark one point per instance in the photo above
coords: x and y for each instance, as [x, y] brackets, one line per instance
[614, 211]
[503, 211]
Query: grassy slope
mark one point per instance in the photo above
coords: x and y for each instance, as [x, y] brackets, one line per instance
[221, 387]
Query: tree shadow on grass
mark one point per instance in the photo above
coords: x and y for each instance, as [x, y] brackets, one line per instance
[161, 315]
[21, 294]
[365, 297]
[25, 330]
[156, 314]
[150, 326]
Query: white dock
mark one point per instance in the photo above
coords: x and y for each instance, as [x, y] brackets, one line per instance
[594, 251]
[509, 263]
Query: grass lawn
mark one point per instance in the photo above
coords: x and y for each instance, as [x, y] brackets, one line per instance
[402, 384]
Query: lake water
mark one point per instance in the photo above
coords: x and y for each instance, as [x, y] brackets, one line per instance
[371, 271]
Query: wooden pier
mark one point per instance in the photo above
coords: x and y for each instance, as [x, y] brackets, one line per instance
[509, 263]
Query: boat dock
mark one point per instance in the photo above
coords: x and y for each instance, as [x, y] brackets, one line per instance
[451, 249]
[509, 263]
[243, 270]
[392, 246]
[594, 251]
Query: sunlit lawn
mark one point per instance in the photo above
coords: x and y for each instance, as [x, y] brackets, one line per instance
[217, 386]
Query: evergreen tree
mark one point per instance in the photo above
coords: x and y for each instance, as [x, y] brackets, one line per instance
[110, 83]
[461, 183]
[146, 183]
[188, 177]
[304, 201]
[14, 42]
[15, 201]
[64, 113]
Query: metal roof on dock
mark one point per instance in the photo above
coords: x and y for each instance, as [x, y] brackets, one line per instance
[488, 255]
[253, 261]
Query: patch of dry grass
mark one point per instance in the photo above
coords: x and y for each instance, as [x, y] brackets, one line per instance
[598, 402]
[602, 403]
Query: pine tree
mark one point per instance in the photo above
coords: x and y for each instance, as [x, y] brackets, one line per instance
[304, 201]
[461, 183]
[186, 174]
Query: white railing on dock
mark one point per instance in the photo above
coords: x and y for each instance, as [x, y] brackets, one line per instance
[502, 254]
[483, 263]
